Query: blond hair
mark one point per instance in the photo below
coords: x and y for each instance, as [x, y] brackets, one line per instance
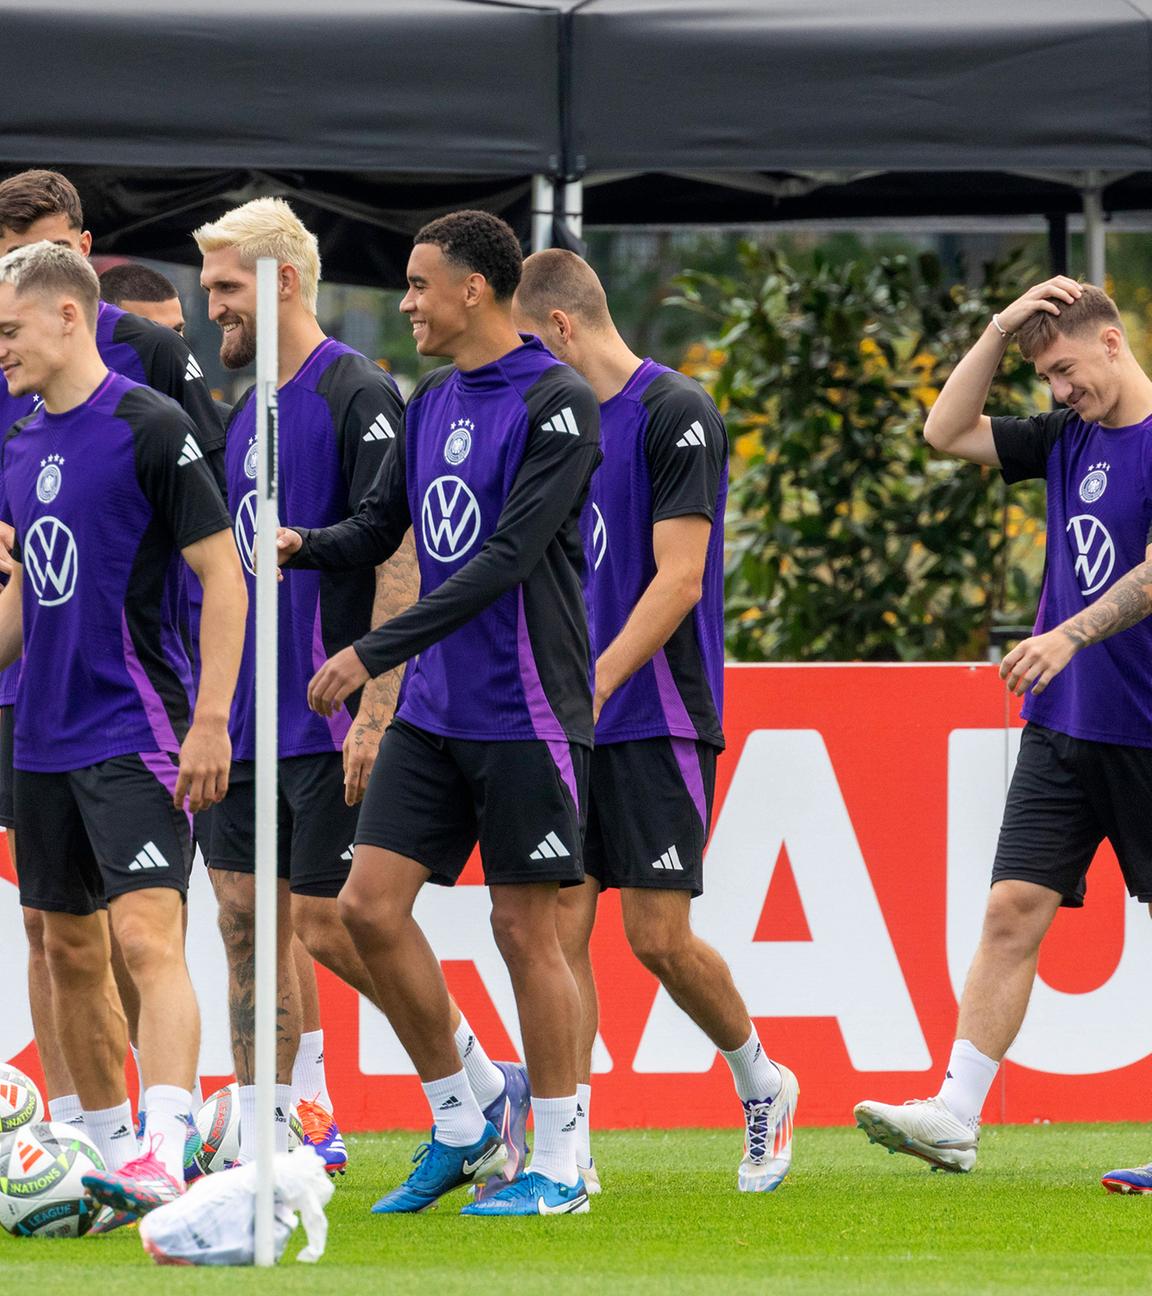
[53, 271]
[557, 279]
[268, 227]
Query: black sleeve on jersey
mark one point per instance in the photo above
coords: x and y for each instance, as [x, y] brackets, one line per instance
[366, 414]
[550, 484]
[1024, 444]
[184, 496]
[171, 369]
[686, 445]
[373, 533]
[5, 507]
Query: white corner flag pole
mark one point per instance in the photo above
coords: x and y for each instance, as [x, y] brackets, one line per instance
[267, 370]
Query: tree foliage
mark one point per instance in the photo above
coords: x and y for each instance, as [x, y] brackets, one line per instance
[848, 537]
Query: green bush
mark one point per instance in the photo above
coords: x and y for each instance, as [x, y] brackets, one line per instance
[848, 537]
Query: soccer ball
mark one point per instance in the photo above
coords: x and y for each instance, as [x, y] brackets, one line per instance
[20, 1101]
[41, 1166]
[219, 1124]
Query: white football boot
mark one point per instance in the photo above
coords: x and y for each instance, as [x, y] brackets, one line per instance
[924, 1128]
[591, 1177]
[768, 1125]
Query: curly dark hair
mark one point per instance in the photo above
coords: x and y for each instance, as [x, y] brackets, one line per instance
[482, 244]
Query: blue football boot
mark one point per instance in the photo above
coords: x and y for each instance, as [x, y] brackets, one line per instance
[509, 1113]
[533, 1194]
[440, 1168]
[1138, 1180]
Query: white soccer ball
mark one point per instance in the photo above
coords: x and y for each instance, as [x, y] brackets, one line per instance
[41, 1166]
[219, 1124]
[20, 1100]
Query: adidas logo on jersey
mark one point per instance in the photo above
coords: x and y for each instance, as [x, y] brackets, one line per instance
[550, 848]
[190, 453]
[347, 855]
[669, 860]
[562, 422]
[694, 436]
[148, 858]
[192, 369]
[381, 430]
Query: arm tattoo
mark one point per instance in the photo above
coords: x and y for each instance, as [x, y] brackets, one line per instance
[397, 588]
[1128, 602]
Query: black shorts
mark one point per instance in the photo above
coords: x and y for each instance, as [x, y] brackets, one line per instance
[649, 814]
[432, 798]
[314, 830]
[7, 771]
[1066, 796]
[89, 835]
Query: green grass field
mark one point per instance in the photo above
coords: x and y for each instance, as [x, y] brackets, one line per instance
[850, 1218]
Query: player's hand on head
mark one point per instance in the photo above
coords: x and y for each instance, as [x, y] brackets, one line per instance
[1035, 663]
[337, 679]
[205, 762]
[1048, 296]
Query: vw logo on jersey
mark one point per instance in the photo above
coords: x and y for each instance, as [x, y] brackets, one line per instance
[51, 561]
[48, 483]
[449, 519]
[459, 441]
[250, 461]
[1095, 552]
[599, 537]
[1095, 483]
[245, 531]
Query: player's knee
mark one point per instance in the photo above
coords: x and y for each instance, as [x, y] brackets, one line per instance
[73, 955]
[34, 931]
[144, 945]
[237, 922]
[656, 947]
[516, 937]
[368, 918]
[1015, 918]
[317, 923]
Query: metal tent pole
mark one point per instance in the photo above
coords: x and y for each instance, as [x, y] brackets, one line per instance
[543, 198]
[267, 371]
[1094, 251]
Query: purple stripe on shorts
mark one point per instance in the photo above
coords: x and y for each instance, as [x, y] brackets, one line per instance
[677, 717]
[687, 757]
[341, 722]
[158, 720]
[539, 708]
[161, 765]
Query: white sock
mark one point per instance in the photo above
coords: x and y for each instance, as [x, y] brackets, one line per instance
[754, 1073]
[67, 1110]
[583, 1129]
[554, 1147]
[111, 1129]
[166, 1112]
[248, 1118]
[455, 1112]
[197, 1093]
[139, 1076]
[485, 1078]
[309, 1081]
[966, 1084]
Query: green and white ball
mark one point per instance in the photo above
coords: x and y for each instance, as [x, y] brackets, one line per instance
[219, 1124]
[20, 1100]
[41, 1166]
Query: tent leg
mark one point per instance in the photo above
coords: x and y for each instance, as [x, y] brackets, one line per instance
[543, 198]
[1094, 259]
[1058, 243]
[574, 207]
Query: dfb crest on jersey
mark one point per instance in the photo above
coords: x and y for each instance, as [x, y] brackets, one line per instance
[599, 537]
[1095, 552]
[48, 483]
[245, 531]
[1095, 483]
[459, 441]
[449, 519]
[51, 561]
[250, 460]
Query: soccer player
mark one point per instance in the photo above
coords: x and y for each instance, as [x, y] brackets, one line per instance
[655, 590]
[105, 756]
[44, 205]
[1084, 772]
[492, 735]
[140, 290]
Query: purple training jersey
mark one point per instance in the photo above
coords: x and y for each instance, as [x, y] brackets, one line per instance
[1099, 515]
[12, 409]
[492, 472]
[102, 498]
[339, 420]
[665, 456]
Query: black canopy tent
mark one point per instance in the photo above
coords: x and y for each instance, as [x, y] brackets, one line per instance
[375, 114]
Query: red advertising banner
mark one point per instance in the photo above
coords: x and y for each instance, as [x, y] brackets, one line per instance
[856, 820]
